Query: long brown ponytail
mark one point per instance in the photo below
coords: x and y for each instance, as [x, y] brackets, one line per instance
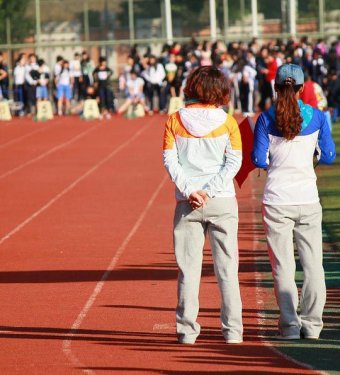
[288, 119]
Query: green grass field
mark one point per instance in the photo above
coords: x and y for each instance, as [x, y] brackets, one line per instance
[323, 354]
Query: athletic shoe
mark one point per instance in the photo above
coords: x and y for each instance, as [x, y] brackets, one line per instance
[188, 340]
[309, 337]
[234, 341]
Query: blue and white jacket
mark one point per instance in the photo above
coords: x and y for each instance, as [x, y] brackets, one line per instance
[291, 178]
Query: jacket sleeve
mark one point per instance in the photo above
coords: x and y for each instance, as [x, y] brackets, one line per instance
[232, 162]
[325, 146]
[171, 161]
[260, 154]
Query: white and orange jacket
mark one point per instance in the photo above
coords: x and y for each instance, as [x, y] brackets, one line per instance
[202, 150]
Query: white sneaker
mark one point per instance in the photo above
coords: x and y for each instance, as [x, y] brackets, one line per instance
[234, 341]
[187, 340]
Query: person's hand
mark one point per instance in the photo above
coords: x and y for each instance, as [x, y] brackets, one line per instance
[204, 195]
[198, 199]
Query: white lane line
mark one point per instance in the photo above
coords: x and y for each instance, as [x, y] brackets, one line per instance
[99, 286]
[70, 187]
[262, 319]
[18, 139]
[50, 151]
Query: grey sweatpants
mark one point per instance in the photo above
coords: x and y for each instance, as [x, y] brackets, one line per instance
[303, 223]
[218, 218]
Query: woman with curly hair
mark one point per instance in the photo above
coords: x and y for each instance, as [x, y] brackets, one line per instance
[202, 153]
[286, 138]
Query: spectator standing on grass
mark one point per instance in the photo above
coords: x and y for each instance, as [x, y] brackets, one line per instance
[202, 153]
[64, 84]
[102, 75]
[31, 81]
[19, 83]
[4, 81]
[286, 138]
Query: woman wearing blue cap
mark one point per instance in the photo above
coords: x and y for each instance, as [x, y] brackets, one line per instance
[287, 136]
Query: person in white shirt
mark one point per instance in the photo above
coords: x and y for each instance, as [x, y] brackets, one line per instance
[247, 86]
[64, 88]
[286, 138]
[154, 76]
[19, 83]
[135, 86]
[58, 66]
[124, 77]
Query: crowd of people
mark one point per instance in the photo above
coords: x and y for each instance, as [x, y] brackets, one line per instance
[68, 82]
[250, 67]
[152, 80]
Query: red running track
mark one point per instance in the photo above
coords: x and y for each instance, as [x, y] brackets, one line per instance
[88, 277]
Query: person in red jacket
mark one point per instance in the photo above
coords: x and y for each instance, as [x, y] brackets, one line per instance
[308, 95]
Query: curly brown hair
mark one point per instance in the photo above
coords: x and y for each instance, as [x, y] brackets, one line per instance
[208, 85]
[288, 118]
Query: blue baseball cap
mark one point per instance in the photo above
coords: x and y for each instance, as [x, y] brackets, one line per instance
[289, 71]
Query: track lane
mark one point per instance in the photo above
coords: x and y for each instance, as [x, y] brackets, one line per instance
[58, 132]
[19, 136]
[48, 152]
[53, 174]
